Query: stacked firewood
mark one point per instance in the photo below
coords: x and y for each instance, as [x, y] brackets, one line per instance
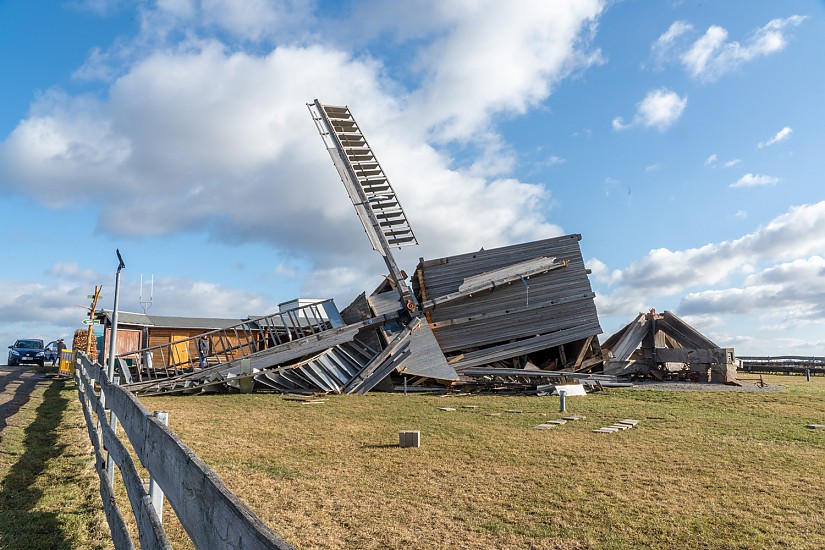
[81, 338]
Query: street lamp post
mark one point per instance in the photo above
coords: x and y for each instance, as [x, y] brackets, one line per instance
[110, 369]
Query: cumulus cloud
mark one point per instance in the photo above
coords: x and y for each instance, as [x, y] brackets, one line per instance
[791, 294]
[781, 135]
[195, 135]
[529, 50]
[798, 234]
[659, 109]
[755, 180]
[712, 55]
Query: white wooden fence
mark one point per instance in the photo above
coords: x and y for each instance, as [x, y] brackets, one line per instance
[213, 517]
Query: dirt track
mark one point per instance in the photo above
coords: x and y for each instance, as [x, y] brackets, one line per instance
[16, 386]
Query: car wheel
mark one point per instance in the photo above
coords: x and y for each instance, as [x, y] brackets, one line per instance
[12, 363]
[40, 364]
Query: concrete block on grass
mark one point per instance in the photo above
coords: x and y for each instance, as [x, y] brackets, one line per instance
[409, 438]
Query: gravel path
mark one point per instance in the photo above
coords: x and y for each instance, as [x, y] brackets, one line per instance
[750, 387]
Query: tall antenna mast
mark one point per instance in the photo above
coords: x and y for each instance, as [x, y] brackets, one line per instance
[146, 304]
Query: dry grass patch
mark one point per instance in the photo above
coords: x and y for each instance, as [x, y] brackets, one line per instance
[48, 486]
[718, 470]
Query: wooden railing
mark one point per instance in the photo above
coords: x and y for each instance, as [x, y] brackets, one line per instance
[211, 514]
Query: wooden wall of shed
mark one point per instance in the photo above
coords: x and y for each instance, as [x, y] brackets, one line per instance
[160, 336]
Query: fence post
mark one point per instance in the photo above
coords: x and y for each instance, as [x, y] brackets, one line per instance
[155, 492]
[110, 463]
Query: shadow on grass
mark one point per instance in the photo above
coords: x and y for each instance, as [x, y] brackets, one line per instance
[19, 398]
[21, 526]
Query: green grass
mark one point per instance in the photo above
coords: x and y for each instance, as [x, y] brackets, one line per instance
[712, 470]
[48, 487]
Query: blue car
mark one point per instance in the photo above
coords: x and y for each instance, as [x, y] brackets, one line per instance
[27, 351]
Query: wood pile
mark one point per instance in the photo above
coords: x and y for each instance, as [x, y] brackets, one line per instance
[81, 338]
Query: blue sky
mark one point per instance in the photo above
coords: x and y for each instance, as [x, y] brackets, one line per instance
[682, 139]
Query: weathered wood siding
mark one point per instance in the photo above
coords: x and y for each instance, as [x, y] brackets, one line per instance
[559, 300]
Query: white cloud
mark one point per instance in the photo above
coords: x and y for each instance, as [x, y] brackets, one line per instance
[796, 235]
[660, 50]
[200, 136]
[713, 162]
[55, 309]
[755, 180]
[653, 167]
[529, 50]
[741, 214]
[781, 135]
[792, 294]
[659, 109]
[712, 54]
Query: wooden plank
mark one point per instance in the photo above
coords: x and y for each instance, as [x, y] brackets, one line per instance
[521, 347]
[150, 530]
[631, 338]
[511, 273]
[684, 333]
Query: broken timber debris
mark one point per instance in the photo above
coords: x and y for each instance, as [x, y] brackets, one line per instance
[519, 318]
[663, 346]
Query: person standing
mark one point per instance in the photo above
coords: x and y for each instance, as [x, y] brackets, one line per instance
[203, 349]
[60, 347]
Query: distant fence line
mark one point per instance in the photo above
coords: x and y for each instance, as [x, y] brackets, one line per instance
[211, 514]
[785, 364]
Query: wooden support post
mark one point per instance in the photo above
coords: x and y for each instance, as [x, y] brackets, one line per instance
[110, 463]
[155, 492]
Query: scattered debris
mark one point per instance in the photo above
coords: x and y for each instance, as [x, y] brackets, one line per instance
[447, 409]
[664, 346]
[621, 425]
[816, 426]
[518, 319]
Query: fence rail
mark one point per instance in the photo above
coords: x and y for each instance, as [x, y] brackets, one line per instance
[211, 514]
[783, 364]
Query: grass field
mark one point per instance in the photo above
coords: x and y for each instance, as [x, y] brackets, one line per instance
[48, 487]
[702, 469]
